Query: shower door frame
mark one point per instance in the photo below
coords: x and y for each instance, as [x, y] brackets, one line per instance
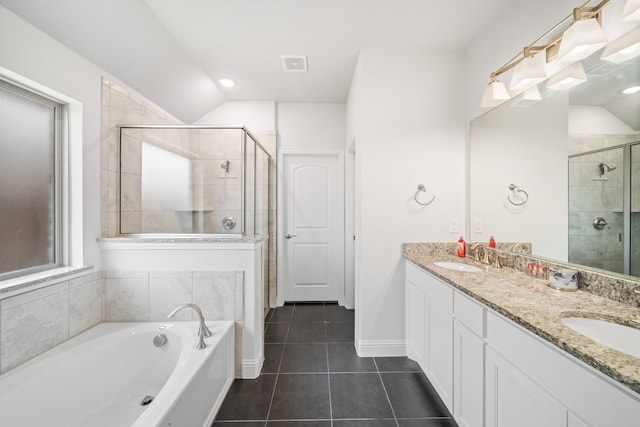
[626, 197]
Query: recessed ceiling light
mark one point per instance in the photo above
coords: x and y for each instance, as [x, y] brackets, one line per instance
[630, 90]
[227, 82]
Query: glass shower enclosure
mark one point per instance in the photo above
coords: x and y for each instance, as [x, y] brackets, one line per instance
[604, 208]
[188, 180]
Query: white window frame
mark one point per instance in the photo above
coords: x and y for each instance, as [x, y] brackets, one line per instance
[70, 201]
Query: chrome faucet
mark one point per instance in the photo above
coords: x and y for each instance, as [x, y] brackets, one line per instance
[203, 331]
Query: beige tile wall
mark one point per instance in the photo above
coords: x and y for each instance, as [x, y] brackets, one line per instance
[121, 106]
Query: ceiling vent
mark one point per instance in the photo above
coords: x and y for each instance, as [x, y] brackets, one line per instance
[294, 63]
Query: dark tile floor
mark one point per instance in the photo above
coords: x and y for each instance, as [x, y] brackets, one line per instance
[312, 377]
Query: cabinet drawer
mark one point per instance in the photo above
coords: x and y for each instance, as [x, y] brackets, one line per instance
[439, 293]
[469, 313]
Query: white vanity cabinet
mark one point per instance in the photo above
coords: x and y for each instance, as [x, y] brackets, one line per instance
[513, 399]
[468, 361]
[492, 372]
[556, 379]
[429, 329]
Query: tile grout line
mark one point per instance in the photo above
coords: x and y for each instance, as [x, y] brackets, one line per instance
[386, 393]
[326, 349]
[275, 384]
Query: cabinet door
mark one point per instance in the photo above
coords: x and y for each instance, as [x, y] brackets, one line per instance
[439, 351]
[415, 333]
[515, 400]
[574, 421]
[468, 377]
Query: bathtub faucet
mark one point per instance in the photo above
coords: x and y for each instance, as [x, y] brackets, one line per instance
[203, 331]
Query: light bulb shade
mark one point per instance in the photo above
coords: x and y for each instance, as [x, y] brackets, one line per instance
[580, 40]
[623, 48]
[526, 98]
[494, 94]
[527, 73]
[532, 94]
[568, 77]
[631, 11]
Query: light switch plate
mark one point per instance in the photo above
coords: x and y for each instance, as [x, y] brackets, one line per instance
[477, 226]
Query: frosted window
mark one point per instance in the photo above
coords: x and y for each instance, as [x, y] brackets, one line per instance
[28, 216]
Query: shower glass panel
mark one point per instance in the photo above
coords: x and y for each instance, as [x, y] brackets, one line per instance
[596, 209]
[188, 180]
[635, 211]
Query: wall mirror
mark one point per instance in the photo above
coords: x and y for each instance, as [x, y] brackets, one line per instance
[571, 164]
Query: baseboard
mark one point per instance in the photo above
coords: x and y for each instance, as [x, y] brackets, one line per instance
[381, 348]
[251, 368]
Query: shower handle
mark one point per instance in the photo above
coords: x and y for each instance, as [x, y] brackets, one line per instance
[289, 236]
[599, 223]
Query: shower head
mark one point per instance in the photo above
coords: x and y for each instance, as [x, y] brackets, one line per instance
[605, 168]
[225, 165]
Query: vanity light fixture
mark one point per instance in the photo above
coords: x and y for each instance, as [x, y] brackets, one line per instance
[495, 93]
[623, 48]
[631, 11]
[568, 77]
[528, 97]
[527, 72]
[532, 94]
[226, 82]
[581, 39]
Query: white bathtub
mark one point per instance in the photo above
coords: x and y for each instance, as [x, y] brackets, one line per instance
[100, 377]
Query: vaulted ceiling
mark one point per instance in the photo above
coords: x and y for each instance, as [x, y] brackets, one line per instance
[173, 52]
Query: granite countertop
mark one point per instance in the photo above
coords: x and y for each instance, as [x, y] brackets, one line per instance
[539, 308]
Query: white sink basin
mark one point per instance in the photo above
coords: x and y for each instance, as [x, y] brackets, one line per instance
[458, 266]
[613, 335]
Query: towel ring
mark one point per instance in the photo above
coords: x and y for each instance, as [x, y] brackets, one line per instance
[517, 189]
[421, 188]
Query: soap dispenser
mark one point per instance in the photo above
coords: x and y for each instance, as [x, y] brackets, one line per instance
[462, 247]
[492, 242]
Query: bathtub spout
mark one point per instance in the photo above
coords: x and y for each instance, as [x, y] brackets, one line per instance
[203, 331]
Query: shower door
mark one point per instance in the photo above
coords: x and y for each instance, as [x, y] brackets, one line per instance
[596, 209]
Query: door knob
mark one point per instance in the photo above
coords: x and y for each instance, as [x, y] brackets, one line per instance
[288, 236]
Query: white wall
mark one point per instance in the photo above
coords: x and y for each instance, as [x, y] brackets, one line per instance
[255, 116]
[303, 126]
[30, 53]
[406, 118]
[589, 119]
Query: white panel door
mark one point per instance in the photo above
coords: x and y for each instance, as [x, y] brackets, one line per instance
[313, 227]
